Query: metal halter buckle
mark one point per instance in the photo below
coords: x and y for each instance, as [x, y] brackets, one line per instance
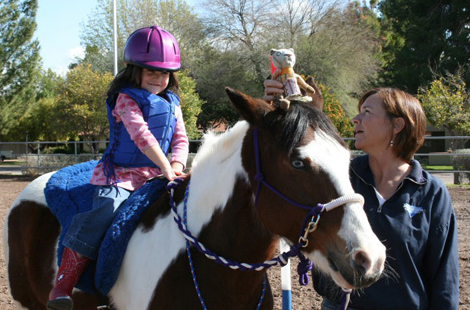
[311, 227]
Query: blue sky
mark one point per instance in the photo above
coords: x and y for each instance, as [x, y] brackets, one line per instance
[58, 28]
[59, 23]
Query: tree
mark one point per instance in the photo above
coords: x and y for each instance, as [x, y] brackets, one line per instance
[39, 119]
[81, 104]
[333, 108]
[191, 104]
[446, 102]
[19, 63]
[241, 26]
[331, 42]
[430, 36]
[214, 71]
[342, 52]
[174, 16]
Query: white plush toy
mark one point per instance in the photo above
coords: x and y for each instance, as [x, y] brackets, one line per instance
[285, 60]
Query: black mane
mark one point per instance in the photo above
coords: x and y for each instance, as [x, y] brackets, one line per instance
[294, 123]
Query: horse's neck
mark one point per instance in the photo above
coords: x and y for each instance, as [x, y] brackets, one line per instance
[215, 170]
[238, 230]
[219, 195]
[236, 234]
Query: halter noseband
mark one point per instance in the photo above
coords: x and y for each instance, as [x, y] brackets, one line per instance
[314, 212]
[307, 227]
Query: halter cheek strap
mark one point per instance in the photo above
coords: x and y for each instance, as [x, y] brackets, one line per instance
[259, 177]
[309, 225]
[314, 211]
[310, 222]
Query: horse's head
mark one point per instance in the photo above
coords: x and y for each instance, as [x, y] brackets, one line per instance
[298, 155]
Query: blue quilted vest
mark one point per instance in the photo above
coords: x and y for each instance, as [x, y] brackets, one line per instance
[159, 113]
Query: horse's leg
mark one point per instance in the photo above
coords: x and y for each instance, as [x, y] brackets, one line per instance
[32, 234]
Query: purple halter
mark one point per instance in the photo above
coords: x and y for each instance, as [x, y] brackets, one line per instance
[314, 212]
[309, 225]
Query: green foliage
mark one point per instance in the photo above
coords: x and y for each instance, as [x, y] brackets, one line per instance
[191, 104]
[40, 121]
[174, 16]
[19, 61]
[19, 54]
[81, 107]
[446, 102]
[428, 36]
[39, 117]
[332, 107]
[48, 84]
[461, 161]
[214, 71]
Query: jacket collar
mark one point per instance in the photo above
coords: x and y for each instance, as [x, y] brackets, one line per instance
[360, 167]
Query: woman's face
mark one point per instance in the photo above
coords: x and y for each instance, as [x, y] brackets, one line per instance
[372, 126]
[154, 81]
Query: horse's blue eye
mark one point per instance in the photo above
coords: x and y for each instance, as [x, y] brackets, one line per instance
[297, 164]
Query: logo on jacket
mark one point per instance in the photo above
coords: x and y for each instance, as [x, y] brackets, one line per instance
[412, 210]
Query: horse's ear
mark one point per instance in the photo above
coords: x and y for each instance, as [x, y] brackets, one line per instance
[317, 97]
[251, 109]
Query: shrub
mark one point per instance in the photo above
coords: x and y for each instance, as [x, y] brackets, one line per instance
[461, 161]
[38, 165]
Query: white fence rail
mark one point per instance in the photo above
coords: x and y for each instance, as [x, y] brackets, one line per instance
[60, 154]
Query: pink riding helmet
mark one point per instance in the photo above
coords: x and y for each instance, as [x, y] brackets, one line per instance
[153, 48]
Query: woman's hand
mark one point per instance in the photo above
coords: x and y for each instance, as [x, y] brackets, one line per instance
[273, 87]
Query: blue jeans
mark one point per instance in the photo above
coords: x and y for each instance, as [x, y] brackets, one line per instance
[87, 230]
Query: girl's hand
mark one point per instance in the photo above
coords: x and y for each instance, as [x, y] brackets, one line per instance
[157, 156]
[169, 174]
[178, 169]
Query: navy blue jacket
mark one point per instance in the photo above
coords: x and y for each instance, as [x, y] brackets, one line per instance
[418, 227]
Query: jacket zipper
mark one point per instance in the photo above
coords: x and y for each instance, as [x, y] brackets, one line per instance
[379, 209]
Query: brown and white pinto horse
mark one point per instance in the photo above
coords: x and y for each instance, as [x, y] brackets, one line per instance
[301, 155]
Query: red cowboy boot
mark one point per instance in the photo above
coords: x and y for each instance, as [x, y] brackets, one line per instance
[68, 275]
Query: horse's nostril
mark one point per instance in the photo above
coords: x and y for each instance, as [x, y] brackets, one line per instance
[361, 261]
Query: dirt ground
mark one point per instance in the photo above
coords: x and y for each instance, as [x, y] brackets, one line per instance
[302, 297]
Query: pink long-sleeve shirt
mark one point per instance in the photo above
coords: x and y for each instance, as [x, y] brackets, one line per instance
[128, 112]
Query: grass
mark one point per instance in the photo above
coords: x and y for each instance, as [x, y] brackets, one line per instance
[11, 163]
[439, 168]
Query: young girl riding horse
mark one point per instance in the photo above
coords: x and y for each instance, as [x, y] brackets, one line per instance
[145, 120]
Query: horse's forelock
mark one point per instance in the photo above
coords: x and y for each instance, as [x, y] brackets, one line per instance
[293, 124]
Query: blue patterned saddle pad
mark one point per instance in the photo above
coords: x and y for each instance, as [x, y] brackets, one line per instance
[69, 192]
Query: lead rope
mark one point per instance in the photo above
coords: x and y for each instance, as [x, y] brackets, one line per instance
[281, 260]
[345, 297]
[191, 265]
[305, 264]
